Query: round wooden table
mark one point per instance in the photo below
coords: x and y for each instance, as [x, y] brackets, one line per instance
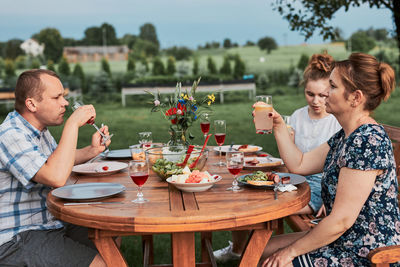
[181, 214]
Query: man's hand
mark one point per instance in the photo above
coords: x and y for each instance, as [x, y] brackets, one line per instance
[97, 140]
[82, 115]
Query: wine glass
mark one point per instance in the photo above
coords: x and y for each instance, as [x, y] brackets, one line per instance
[262, 121]
[234, 163]
[145, 139]
[139, 172]
[219, 134]
[205, 123]
[286, 119]
[105, 138]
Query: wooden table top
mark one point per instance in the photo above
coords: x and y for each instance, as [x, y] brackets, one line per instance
[170, 210]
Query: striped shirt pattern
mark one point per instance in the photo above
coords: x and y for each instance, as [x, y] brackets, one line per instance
[23, 151]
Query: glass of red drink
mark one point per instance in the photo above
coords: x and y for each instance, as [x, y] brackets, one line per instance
[219, 134]
[205, 123]
[139, 172]
[234, 163]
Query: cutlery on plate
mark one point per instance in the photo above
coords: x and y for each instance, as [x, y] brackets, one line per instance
[89, 203]
[201, 152]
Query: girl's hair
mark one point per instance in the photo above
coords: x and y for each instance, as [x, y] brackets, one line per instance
[319, 67]
[363, 72]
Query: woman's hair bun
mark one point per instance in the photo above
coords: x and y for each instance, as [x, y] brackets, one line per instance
[387, 76]
[321, 62]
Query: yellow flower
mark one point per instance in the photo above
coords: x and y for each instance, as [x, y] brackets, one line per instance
[209, 103]
[185, 97]
[211, 97]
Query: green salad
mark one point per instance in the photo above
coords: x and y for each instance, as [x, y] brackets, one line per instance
[165, 168]
[256, 176]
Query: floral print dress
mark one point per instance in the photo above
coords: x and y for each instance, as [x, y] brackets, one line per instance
[378, 224]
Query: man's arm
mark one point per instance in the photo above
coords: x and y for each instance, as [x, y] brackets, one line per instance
[58, 167]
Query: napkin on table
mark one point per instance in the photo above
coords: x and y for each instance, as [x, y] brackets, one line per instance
[286, 187]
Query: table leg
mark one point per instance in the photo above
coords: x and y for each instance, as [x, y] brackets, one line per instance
[109, 252]
[183, 250]
[258, 239]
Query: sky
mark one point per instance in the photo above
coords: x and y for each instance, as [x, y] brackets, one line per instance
[178, 22]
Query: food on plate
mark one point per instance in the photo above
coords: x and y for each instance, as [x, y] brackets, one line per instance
[252, 162]
[269, 164]
[263, 155]
[166, 168]
[285, 180]
[192, 177]
[260, 182]
[247, 148]
[105, 168]
[262, 176]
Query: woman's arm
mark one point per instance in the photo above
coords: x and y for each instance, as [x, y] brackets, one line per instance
[353, 189]
[295, 160]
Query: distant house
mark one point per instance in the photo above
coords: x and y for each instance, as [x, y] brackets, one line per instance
[32, 47]
[75, 54]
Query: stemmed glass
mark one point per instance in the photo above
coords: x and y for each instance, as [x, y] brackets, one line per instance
[78, 104]
[234, 163]
[145, 139]
[219, 134]
[139, 172]
[205, 123]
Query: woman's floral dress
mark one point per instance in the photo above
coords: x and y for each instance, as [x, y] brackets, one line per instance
[378, 224]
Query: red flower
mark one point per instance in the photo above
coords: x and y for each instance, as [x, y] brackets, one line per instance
[173, 111]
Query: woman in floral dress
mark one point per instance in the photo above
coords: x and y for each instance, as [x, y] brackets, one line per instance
[359, 185]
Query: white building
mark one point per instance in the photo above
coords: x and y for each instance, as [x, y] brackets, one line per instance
[32, 47]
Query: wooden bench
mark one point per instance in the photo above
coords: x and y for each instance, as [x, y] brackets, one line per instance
[381, 256]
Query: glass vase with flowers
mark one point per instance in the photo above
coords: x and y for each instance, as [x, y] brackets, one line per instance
[182, 110]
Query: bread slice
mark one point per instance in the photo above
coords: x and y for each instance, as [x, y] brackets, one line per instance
[260, 182]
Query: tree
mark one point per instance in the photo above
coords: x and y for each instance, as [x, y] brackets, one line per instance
[267, 43]
[78, 73]
[35, 64]
[148, 33]
[212, 68]
[226, 67]
[303, 62]
[307, 16]
[105, 66]
[9, 68]
[53, 43]
[171, 69]
[227, 43]
[12, 49]
[129, 40]
[360, 42]
[195, 69]
[70, 42]
[180, 53]
[158, 67]
[250, 43]
[103, 35]
[63, 67]
[239, 69]
[143, 49]
[131, 66]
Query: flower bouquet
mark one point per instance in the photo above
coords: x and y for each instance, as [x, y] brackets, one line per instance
[181, 110]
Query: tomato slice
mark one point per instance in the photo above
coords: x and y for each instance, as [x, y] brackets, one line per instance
[105, 168]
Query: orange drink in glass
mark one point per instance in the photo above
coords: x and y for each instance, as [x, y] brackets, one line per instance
[262, 121]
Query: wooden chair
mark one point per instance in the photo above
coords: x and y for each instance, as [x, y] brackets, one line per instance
[379, 257]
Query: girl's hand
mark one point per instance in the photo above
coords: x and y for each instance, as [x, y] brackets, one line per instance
[321, 212]
[280, 258]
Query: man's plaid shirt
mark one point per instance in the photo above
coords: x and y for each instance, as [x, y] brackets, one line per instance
[23, 151]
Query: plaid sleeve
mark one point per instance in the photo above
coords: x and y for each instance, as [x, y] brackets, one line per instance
[21, 156]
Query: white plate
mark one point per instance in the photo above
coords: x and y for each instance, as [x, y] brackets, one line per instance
[194, 187]
[227, 148]
[100, 168]
[264, 163]
[88, 191]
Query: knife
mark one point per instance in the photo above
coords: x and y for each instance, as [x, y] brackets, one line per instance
[89, 203]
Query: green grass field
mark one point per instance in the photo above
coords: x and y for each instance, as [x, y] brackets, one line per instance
[282, 58]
